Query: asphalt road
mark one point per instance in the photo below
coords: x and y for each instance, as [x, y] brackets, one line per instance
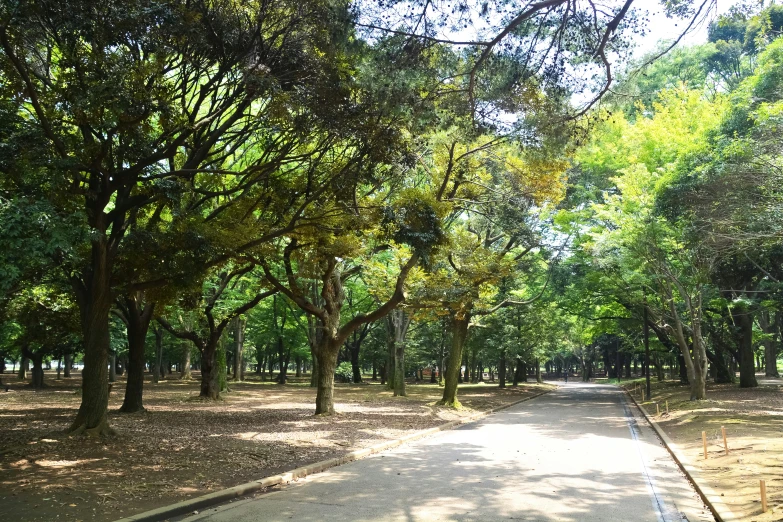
[579, 453]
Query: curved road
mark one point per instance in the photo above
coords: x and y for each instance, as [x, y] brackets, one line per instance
[578, 454]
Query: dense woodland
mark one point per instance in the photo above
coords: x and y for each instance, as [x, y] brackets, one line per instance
[340, 190]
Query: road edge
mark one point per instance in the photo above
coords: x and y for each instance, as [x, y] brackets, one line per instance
[711, 499]
[224, 495]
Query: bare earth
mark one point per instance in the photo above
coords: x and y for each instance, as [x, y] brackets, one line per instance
[753, 419]
[182, 447]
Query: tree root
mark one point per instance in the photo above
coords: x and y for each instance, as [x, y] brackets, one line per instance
[454, 404]
[140, 410]
[101, 430]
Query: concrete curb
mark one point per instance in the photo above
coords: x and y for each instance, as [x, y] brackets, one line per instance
[711, 499]
[224, 495]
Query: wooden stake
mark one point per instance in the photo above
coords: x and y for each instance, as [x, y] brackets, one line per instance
[658, 407]
[704, 441]
[763, 485]
[667, 407]
[725, 444]
[642, 394]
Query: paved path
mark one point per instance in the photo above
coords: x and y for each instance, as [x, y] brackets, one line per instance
[576, 454]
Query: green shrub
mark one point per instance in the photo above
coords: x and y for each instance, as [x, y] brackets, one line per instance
[344, 372]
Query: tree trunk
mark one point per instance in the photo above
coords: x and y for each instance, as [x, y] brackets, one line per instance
[239, 348]
[112, 366]
[282, 375]
[459, 327]
[770, 345]
[23, 366]
[683, 370]
[95, 302]
[155, 364]
[539, 380]
[37, 373]
[391, 367]
[210, 372]
[399, 369]
[298, 362]
[185, 373]
[374, 370]
[68, 363]
[314, 372]
[353, 349]
[59, 366]
[744, 321]
[327, 361]
[695, 355]
[719, 363]
[442, 366]
[502, 369]
[137, 319]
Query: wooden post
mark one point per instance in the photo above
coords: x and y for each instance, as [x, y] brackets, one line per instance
[725, 444]
[658, 408]
[667, 407]
[763, 485]
[704, 441]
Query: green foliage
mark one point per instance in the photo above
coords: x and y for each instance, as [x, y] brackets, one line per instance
[344, 372]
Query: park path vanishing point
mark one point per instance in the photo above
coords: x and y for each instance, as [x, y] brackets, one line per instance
[579, 453]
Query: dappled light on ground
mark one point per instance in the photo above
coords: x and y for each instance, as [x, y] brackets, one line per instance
[181, 448]
[753, 418]
[566, 456]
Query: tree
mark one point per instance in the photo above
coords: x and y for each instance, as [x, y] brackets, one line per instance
[226, 296]
[136, 105]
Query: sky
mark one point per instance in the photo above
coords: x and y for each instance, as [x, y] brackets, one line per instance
[662, 28]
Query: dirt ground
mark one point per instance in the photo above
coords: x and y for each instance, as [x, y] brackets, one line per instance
[182, 447]
[753, 418]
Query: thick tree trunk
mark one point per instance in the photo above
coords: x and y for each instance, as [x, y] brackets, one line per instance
[94, 299]
[683, 370]
[459, 328]
[185, 373]
[520, 372]
[744, 321]
[298, 363]
[210, 370]
[37, 372]
[68, 364]
[23, 367]
[327, 360]
[719, 363]
[539, 379]
[138, 323]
